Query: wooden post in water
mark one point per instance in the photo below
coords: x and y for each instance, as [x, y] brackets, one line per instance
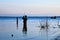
[47, 27]
[46, 23]
[58, 23]
[24, 23]
[17, 22]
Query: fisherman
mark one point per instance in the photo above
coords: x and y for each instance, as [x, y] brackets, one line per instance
[24, 23]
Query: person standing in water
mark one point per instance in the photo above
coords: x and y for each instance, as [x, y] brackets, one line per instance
[24, 23]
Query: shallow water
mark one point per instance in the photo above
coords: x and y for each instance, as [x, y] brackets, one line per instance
[8, 27]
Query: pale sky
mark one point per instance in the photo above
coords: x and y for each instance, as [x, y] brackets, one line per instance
[35, 7]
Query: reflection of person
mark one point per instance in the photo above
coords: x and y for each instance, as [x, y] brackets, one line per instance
[24, 23]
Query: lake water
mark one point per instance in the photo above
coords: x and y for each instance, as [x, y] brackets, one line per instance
[34, 31]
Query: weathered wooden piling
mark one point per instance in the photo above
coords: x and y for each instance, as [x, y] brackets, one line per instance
[17, 22]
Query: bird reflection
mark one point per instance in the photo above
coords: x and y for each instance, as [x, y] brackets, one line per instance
[12, 35]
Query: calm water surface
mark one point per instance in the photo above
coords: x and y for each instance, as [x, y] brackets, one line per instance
[8, 27]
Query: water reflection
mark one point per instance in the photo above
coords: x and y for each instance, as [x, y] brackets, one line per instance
[57, 38]
[24, 32]
[33, 32]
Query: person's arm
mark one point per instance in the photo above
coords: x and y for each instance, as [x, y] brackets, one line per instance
[23, 17]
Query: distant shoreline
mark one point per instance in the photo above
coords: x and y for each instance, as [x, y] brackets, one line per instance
[29, 17]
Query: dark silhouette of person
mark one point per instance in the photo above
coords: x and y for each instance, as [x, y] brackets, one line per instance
[17, 22]
[24, 23]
